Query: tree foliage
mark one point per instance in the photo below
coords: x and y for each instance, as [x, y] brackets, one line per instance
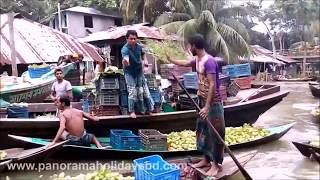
[41, 10]
[225, 34]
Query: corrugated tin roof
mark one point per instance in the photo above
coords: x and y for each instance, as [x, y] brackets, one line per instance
[113, 33]
[36, 43]
[267, 52]
[261, 58]
[92, 11]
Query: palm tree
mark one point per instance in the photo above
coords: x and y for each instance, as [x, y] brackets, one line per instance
[224, 33]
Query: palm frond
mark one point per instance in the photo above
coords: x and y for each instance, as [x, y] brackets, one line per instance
[237, 26]
[232, 36]
[296, 45]
[237, 11]
[206, 19]
[217, 44]
[192, 8]
[188, 28]
[169, 17]
[171, 28]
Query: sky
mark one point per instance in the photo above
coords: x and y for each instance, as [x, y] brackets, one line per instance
[265, 4]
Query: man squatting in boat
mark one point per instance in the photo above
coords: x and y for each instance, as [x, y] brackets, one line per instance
[139, 98]
[72, 125]
[210, 102]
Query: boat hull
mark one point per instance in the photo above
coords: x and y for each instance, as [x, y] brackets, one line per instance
[71, 151]
[308, 150]
[30, 95]
[295, 80]
[315, 89]
[235, 115]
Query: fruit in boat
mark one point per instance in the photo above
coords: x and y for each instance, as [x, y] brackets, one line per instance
[315, 143]
[97, 175]
[35, 66]
[245, 133]
[184, 140]
[3, 154]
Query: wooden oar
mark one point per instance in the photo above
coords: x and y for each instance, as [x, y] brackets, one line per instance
[243, 171]
[256, 91]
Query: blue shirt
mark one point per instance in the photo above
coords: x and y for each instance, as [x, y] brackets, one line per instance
[135, 56]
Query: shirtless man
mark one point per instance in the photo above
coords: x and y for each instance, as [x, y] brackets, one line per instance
[72, 125]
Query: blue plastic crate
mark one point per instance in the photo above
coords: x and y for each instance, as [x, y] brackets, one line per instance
[156, 95]
[237, 70]
[191, 80]
[38, 72]
[155, 168]
[229, 70]
[124, 139]
[124, 99]
[243, 70]
[17, 112]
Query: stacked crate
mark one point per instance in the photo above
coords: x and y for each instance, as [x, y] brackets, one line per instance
[153, 140]
[166, 71]
[108, 96]
[240, 73]
[179, 71]
[191, 80]
[124, 140]
[185, 103]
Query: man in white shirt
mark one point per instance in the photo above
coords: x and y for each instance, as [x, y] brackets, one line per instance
[61, 86]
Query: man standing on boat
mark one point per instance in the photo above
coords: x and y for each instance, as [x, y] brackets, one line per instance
[210, 102]
[72, 125]
[139, 98]
[61, 86]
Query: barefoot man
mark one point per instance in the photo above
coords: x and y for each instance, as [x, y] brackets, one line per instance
[72, 125]
[139, 98]
[210, 102]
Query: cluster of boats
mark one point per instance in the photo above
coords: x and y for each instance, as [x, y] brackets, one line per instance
[36, 133]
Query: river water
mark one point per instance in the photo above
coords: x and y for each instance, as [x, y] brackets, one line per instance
[276, 160]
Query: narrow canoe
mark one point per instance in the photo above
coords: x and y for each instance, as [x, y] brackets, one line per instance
[308, 150]
[294, 79]
[315, 89]
[28, 155]
[81, 151]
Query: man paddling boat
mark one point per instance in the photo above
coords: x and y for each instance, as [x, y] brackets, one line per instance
[210, 102]
[72, 125]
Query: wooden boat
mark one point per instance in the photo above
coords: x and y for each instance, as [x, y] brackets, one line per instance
[235, 115]
[229, 168]
[294, 79]
[28, 155]
[308, 150]
[34, 91]
[80, 151]
[315, 89]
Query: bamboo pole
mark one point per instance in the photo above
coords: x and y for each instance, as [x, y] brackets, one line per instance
[12, 45]
[59, 18]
